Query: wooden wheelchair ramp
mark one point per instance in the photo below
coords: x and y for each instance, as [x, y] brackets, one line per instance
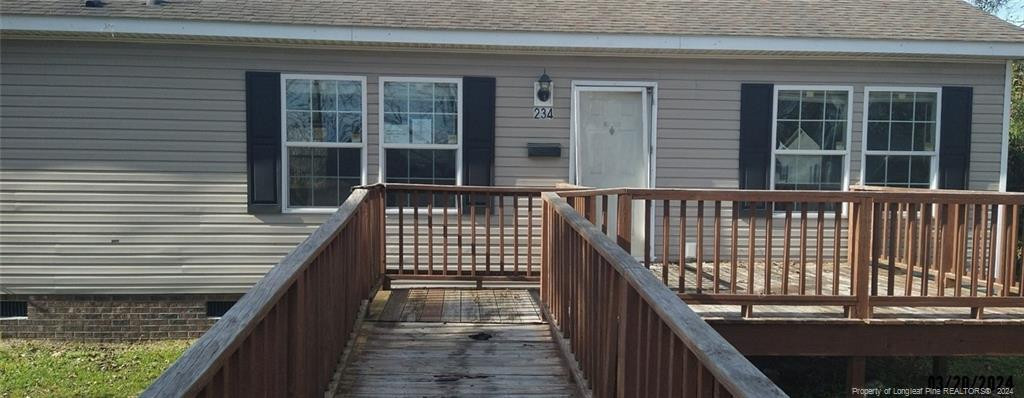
[454, 342]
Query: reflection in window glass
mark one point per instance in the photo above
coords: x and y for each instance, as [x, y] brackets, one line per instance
[322, 177]
[420, 131]
[323, 135]
[811, 129]
[420, 113]
[323, 110]
[809, 172]
[421, 166]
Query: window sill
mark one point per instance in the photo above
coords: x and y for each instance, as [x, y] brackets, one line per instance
[812, 214]
[829, 215]
[424, 211]
[309, 210]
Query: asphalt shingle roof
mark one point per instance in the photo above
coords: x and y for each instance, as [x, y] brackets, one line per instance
[862, 19]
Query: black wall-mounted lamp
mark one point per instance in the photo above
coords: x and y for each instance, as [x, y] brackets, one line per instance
[544, 87]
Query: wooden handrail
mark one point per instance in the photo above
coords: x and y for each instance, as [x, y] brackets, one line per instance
[277, 312]
[462, 233]
[907, 245]
[728, 367]
[462, 188]
[856, 193]
[591, 192]
[930, 191]
[566, 185]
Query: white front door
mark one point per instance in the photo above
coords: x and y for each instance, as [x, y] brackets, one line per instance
[612, 143]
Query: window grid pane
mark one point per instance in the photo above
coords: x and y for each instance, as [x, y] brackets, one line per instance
[322, 177]
[322, 135]
[900, 138]
[420, 113]
[424, 115]
[811, 119]
[420, 166]
[811, 133]
[809, 172]
[903, 171]
[324, 110]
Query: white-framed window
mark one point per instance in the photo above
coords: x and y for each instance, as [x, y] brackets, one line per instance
[901, 136]
[323, 140]
[421, 130]
[811, 137]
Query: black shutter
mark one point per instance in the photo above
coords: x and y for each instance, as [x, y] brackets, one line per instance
[755, 135]
[263, 140]
[478, 105]
[955, 137]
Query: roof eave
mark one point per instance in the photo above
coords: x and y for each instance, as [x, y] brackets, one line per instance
[193, 30]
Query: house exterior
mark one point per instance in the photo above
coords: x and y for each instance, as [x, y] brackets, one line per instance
[156, 158]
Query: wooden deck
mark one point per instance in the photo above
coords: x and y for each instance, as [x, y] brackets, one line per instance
[619, 328]
[455, 342]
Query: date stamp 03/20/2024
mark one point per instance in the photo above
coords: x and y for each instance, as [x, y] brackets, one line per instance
[945, 386]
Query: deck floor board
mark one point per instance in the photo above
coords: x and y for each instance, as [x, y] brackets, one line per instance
[417, 343]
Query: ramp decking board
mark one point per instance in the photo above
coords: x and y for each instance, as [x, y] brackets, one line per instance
[417, 343]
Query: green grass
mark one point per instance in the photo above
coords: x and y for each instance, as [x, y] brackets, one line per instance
[63, 369]
[67, 369]
[826, 377]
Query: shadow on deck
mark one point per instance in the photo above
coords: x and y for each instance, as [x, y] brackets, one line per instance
[454, 342]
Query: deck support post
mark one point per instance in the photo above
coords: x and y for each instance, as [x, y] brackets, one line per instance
[861, 218]
[855, 373]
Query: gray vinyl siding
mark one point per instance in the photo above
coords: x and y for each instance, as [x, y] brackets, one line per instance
[122, 166]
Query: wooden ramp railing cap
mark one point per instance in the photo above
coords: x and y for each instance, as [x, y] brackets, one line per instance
[727, 365]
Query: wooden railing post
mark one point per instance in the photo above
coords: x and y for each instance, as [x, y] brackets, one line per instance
[590, 209]
[545, 248]
[860, 261]
[624, 222]
[296, 339]
[381, 199]
[626, 386]
[949, 249]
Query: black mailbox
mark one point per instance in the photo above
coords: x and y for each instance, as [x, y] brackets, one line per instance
[544, 150]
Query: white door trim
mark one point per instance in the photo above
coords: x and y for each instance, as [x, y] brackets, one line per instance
[650, 122]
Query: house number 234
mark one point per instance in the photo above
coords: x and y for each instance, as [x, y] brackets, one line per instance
[543, 112]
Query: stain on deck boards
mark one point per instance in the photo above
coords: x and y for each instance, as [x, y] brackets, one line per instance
[455, 342]
[458, 305]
